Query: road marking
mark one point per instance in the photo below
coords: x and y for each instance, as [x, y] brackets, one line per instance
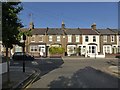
[34, 63]
[15, 63]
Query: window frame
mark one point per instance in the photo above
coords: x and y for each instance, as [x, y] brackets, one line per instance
[112, 38]
[77, 38]
[58, 39]
[105, 38]
[94, 38]
[41, 36]
[50, 38]
[33, 48]
[32, 39]
[86, 39]
[69, 38]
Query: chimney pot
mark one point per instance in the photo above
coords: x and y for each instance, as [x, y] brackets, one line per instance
[93, 26]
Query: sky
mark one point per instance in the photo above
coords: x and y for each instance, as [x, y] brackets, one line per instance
[74, 14]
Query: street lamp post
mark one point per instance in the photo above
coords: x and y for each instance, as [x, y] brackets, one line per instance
[24, 38]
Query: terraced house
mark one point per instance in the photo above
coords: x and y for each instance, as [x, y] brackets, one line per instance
[108, 41]
[90, 42]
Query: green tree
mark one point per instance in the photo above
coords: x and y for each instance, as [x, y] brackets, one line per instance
[10, 25]
[21, 32]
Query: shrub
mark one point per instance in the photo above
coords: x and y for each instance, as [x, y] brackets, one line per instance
[56, 50]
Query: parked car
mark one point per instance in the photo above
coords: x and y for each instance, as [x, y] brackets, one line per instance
[22, 56]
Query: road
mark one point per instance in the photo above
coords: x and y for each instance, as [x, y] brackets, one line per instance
[72, 73]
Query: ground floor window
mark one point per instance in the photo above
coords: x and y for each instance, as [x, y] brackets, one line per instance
[107, 49]
[118, 49]
[33, 48]
[71, 49]
[114, 50]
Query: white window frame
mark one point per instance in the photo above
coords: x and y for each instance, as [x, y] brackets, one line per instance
[112, 38]
[58, 38]
[107, 49]
[33, 40]
[77, 38]
[119, 38]
[94, 38]
[69, 38]
[86, 38]
[50, 38]
[105, 38]
[41, 48]
[35, 48]
[40, 37]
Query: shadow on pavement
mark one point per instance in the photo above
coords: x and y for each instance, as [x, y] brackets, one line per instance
[86, 78]
[50, 64]
[47, 65]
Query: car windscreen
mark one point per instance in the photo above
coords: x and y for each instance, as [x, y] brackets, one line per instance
[20, 53]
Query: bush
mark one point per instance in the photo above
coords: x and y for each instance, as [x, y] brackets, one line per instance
[118, 56]
[56, 50]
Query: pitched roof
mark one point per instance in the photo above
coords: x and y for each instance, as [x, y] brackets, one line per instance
[72, 31]
[106, 31]
[116, 31]
[24, 29]
[88, 31]
[54, 31]
[39, 31]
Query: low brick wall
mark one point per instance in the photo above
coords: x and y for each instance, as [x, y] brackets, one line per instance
[111, 55]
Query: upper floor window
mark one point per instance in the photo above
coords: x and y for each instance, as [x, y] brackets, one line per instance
[94, 38]
[33, 39]
[41, 38]
[119, 38]
[86, 38]
[105, 38]
[112, 38]
[50, 38]
[69, 38]
[58, 38]
[77, 38]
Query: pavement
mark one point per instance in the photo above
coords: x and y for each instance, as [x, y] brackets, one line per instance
[16, 77]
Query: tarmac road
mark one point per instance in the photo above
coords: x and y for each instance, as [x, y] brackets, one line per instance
[74, 73]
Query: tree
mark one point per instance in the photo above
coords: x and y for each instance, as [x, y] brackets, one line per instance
[10, 25]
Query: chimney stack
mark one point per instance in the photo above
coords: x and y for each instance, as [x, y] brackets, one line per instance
[63, 25]
[93, 26]
[31, 26]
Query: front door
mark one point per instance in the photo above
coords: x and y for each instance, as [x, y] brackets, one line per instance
[93, 49]
[42, 49]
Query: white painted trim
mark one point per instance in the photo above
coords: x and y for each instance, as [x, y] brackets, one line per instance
[106, 48]
[69, 38]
